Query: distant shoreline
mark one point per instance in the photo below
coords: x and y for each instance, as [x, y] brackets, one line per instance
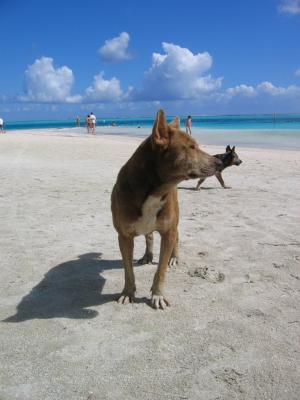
[284, 139]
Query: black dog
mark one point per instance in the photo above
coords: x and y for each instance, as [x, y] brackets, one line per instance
[229, 158]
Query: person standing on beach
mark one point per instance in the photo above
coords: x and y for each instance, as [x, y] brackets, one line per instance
[88, 123]
[93, 122]
[78, 121]
[188, 125]
[1, 125]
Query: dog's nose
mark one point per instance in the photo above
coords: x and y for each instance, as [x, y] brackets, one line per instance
[240, 162]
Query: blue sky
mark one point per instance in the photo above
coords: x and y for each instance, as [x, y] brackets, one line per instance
[122, 58]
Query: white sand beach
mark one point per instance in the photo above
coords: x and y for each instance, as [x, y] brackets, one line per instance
[63, 336]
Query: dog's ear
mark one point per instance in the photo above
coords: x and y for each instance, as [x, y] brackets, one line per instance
[160, 132]
[175, 123]
[233, 149]
[228, 148]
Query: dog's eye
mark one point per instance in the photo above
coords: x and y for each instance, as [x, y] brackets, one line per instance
[192, 146]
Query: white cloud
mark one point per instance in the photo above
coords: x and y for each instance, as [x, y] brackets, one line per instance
[269, 88]
[104, 90]
[290, 7]
[178, 74]
[248, 91]
[45, 83]
[260, 91]
[297, 72]
[115, 49]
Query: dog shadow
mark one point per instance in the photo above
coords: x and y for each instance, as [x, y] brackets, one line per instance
[195, 190]
[67, 290]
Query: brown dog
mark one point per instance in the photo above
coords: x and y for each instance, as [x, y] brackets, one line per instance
[144, 198]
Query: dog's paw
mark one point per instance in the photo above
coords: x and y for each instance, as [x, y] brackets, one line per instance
[173, 262]
[126, 298]
[227, 187]
[159, 301]
[146, 259]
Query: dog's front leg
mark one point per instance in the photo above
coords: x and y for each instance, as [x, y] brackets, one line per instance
[126, 247]
[220, 179]
[167, 244]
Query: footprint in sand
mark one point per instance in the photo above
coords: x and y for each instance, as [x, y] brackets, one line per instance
[207, 273]
[202, 253]
[231, 378]
[278, 266]
[255, 313]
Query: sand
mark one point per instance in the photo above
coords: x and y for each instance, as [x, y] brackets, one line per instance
[232, 331]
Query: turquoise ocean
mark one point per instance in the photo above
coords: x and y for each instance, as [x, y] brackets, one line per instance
[279, 131]
[265, 121]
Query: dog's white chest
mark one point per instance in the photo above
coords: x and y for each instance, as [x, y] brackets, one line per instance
[147, 222]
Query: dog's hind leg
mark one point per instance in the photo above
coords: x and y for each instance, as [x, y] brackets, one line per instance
[174, 259]
[167, 244]
[199, 183]
[126, 246]
[218, 175]
[148, 256]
